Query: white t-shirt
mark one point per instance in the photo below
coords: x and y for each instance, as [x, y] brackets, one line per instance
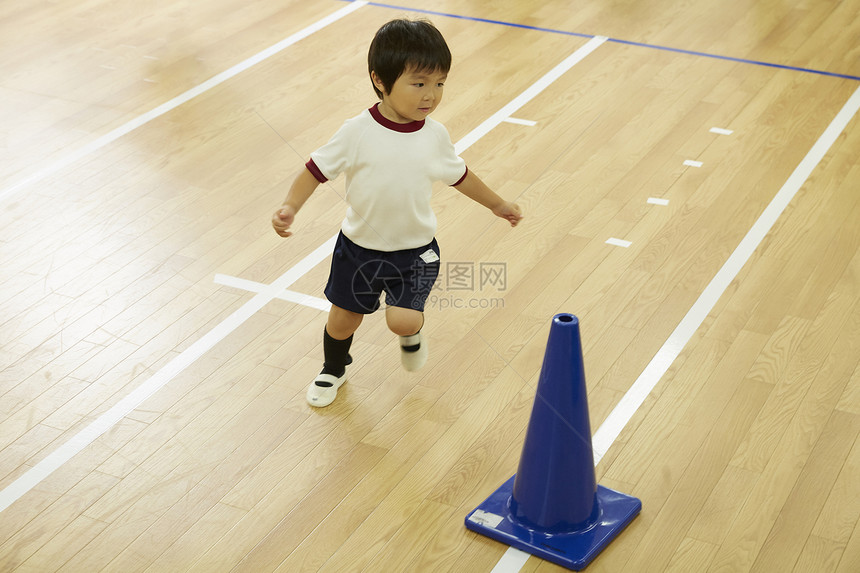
[390, 169]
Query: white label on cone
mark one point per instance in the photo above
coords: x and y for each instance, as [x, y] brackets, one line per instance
[485, 518]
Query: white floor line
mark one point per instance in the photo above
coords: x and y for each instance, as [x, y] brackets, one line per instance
[512, 561]
[287, 295]
[618, 242]
[141, 120]
[518, 121]
[107, 420]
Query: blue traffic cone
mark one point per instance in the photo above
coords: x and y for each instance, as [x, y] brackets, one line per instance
[553, 506]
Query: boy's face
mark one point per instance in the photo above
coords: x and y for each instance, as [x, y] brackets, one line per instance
[413, 96]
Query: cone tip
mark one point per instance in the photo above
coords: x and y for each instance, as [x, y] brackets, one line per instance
[565, 319]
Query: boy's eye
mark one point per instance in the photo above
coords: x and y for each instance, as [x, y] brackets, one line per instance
[419, 85]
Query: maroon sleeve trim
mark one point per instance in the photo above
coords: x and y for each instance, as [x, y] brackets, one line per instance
[315, 171]
[461, 178]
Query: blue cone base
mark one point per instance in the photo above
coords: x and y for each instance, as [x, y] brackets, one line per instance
[574, 550]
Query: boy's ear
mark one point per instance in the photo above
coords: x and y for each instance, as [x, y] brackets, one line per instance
[377, 82]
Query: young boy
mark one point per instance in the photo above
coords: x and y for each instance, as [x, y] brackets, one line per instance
[391, 155]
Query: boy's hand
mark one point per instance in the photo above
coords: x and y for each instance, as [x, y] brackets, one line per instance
[509, 211]
[282, 219]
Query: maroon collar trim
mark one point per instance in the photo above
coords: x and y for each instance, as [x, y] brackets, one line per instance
[410, 127]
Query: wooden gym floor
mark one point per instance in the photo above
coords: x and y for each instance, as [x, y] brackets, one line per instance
[152, 413]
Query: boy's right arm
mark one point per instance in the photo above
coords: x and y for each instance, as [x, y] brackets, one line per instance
[302, 188]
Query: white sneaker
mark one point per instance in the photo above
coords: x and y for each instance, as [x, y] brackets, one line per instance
[415, 359]
[323, 390]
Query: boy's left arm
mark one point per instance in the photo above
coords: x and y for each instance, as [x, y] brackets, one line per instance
[473, 188]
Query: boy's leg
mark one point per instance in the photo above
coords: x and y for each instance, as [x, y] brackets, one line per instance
[342, 323]
[407, 323]
[404, 321]
[337, 338]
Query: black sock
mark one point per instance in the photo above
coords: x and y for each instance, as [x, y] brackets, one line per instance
[336, 354]
[413, 343]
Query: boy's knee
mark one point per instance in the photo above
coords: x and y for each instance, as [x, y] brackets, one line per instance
[404, 322]
[342, 323]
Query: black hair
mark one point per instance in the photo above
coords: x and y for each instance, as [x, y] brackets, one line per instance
[403, 44]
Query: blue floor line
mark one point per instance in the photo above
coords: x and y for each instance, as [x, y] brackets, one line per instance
[616, 41]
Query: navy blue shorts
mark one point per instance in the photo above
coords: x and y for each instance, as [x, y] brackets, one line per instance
[359, 276]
